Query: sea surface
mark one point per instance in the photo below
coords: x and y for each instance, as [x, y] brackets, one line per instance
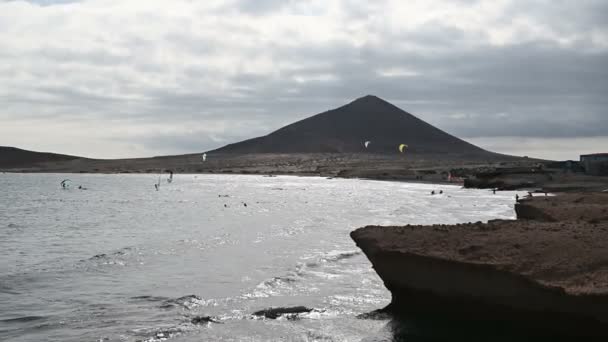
[120, 261]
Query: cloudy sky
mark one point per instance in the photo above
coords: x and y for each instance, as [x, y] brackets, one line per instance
[127, 78]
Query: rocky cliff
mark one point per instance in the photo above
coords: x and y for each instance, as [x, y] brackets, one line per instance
[526, 271]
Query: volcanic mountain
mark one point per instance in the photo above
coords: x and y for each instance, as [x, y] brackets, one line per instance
[345, 130]
[14, 157]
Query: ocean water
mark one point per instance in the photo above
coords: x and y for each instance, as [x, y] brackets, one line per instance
[123, 262]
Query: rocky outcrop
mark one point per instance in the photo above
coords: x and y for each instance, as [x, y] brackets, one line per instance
[522, 271]
[589, 207]
[527, 211]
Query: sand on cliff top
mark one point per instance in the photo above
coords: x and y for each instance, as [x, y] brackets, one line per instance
[569, 255]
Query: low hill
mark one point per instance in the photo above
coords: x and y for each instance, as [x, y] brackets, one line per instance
[345, 129]
[11, 157]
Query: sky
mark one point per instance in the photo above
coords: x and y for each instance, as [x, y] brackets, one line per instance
[131, 78]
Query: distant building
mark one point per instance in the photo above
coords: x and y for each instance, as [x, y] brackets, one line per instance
[595, 164]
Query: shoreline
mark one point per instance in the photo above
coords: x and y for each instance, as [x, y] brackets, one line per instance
[242, 174]
[501, 174]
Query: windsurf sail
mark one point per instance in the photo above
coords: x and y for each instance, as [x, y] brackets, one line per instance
[366, 143]
[65, 183]
[204, 156]
[402, 147]
[157, 184]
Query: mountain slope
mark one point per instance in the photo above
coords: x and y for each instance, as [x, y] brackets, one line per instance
[345, 129]
[14, 157]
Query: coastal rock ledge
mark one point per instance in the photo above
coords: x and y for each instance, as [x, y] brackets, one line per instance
[521, 271]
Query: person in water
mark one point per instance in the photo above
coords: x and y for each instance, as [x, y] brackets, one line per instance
[433, 192]
[440, 192]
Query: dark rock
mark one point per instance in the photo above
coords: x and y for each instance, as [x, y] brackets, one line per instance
[203, 320]
[274, 313]
[525, 211]
[380, 315]
[185, 301]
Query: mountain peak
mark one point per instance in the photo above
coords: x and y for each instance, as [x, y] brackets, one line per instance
[368, 99]
[344, 129]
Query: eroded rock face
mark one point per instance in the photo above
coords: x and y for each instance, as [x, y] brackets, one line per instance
[527, 211]
[504, 269]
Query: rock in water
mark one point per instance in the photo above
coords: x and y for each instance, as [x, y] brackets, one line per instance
[203, 320]
[274, 313]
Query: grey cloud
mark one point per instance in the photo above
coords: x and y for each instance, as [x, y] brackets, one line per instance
[182, 142]
[550, 87]
[470, 89]
[563, 16]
